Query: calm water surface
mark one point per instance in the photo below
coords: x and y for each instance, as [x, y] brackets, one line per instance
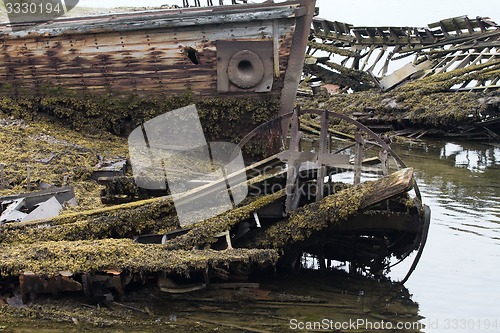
[457, 283]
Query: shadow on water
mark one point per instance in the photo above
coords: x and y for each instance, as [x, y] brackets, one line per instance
[311, 301]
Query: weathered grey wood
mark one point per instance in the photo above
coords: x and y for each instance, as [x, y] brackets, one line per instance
[146, 52]
[399, 182]
[323, 151]
[120, 22]
[293, 166]
[358, 158]
[384, 159]
[321, 158]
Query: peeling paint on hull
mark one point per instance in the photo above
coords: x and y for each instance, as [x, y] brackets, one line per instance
[145, 52]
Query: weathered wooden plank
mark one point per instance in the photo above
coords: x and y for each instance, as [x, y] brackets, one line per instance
[322, 158]
[148, 59]
[162, 18]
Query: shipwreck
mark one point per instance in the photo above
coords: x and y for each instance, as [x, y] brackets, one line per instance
[304, 207]
[397, 72]
[314, 195]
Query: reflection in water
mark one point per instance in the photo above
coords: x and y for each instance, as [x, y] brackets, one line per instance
[472, 159]
[321, 300]
[457, 278]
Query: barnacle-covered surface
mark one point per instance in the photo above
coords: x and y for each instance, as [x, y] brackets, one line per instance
[50, 258]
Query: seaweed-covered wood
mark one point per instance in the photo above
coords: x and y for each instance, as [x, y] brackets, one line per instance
[118, 221]
[50, 258]
[222, 118]
[204, 232]
[334, 208]
[128, 220]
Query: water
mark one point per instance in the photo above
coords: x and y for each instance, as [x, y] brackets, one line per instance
[456, 283]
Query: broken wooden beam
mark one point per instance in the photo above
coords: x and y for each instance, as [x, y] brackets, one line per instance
[331, 210]
[48, 259]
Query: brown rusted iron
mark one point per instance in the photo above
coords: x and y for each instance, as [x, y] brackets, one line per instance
[35, 284]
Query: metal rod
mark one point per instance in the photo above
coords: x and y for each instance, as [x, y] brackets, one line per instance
[323, 146]
[358, 160]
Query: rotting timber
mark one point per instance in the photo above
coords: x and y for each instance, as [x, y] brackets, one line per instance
[294, 213]
[444, 78]
[290, 212]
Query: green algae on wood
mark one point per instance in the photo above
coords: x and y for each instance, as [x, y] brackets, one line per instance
[438, 110]
[332, 209]
[119, 221]
[50, 258]
[222, 117]
[425, 102]
[204, 232]
[55, 155]
[128, 220]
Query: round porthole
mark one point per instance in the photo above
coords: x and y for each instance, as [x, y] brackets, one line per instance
[245, 69]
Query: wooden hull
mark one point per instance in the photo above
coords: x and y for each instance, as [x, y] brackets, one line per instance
[161, 51]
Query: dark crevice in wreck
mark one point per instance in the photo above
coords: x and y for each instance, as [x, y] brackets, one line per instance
[192, 55]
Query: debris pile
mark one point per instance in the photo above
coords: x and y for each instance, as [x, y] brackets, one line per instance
[35, 206]
[449, 88]
[459, 43]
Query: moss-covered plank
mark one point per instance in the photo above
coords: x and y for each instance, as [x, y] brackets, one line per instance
[332, 209]
[50, 258]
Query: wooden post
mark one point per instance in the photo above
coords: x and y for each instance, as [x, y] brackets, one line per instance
[293, 168]
[323, 143]
[358, 159]
[28, 178]
[2, 176]
[384, 159]
[329, 150]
